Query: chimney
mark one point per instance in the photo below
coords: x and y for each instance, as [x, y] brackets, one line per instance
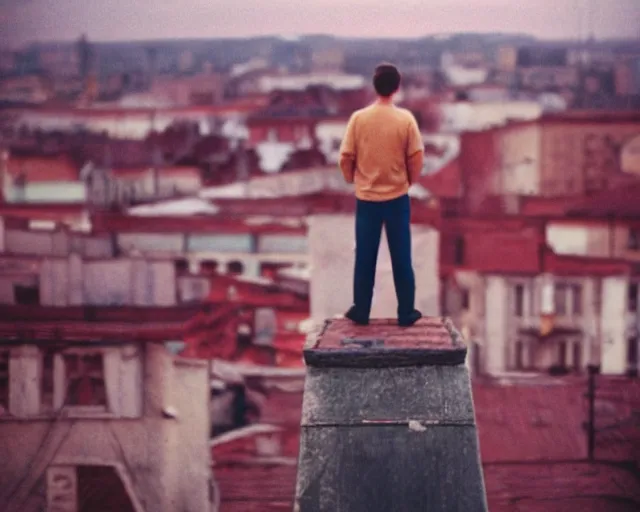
[5, 178]
[158, 163]
[388, 421]
[242, 164]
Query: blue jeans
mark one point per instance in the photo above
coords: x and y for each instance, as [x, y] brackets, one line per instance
[395, 215]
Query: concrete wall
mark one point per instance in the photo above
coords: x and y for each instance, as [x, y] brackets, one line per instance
[92, 246]
[520, 160]
[164, 462]
[150, 242]
[134, 281]
[56, 243]
[190, 435]
[54, 282]
[332, 251]
[580, 240]
[108, 282]
[594, 239]
[222, 243]
[496, 325]
[193, 288]
[48, 192]
[283, 244]
[577, 157]
[459, 117]
[614, 342]
[8, 282]
[39, 243]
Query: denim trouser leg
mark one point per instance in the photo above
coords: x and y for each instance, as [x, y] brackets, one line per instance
[369, 219]
[398, 229]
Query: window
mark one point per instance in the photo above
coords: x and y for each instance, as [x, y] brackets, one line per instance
[465, 299]
[560, 300]
[4, 382]
[235, 267]
[265, 325]
[519, 300]
[632, 351]
[26, 295]
[46, 382]
[577, 356]
[519, 355]
[244, 335]
[84, 375]
[633, 242]
[209, 267]
[568, 299]
[562, 354]
[182, 266]
[459, 250]
[632, 303]
[576, 299]
[100, 488]
[476, 355]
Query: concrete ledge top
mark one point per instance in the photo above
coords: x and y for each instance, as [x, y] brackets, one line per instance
[383, 344]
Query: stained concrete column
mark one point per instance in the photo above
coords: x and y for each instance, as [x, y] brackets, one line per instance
[388, 421]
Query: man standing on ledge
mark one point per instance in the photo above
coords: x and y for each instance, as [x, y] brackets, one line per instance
[382, 154]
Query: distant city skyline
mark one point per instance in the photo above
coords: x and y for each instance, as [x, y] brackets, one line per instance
[24, 21]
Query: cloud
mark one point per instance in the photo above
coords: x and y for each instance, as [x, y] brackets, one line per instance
[150, 19]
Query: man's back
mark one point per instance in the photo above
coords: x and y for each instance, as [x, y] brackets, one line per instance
[382, 153]
[381, 138]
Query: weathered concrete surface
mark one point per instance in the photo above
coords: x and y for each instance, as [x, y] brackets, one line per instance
[395, 438]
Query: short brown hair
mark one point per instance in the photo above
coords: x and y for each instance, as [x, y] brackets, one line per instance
[386, 79]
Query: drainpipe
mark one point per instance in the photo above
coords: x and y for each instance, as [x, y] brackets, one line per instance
[612, 235]
[591, 395]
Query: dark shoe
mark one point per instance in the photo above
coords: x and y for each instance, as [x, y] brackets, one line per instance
[411, 319]
[353, 315]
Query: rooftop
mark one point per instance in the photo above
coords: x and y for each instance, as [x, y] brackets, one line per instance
[531, 431]
[88, 331]
[40, 168]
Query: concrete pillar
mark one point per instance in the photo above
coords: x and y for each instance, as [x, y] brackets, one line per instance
[388, 421]
[496, 323]
[613, 330]
[76, 282]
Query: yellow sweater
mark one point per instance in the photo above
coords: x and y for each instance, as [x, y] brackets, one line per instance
[382, 152]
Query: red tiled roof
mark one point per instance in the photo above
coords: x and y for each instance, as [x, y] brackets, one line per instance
[38, 169]
[537, 422]
[536, 206]
[584, 265]
[533, 447]
[561, 487]
[44, 211]
[446, 182]
[530, 422]
[56, 331]
[18, 210]
[212, 332]
[255, 294]
[105, 222]
[619, 202]
[592, 116]
[507, 246]
[129, 172]
[256, 488]
[241, 106]
[100, 314]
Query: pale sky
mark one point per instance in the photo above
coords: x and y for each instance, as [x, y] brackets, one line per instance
[112, 20]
